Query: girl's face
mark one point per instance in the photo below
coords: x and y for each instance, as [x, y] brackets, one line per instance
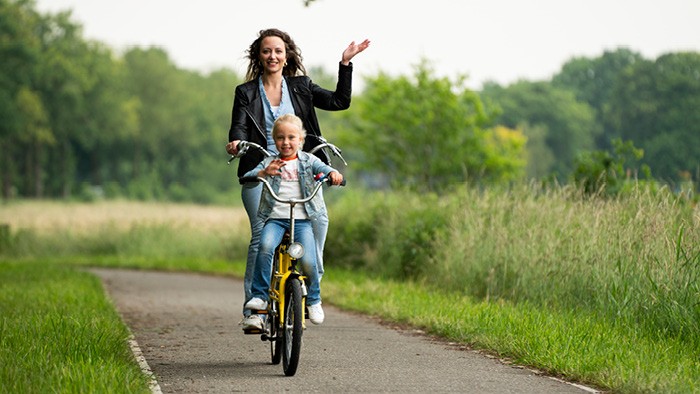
[273, 54]
[287, 139]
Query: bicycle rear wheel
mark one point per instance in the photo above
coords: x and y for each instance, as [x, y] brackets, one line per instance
[273, 318]
[275, 340]
[293, 326]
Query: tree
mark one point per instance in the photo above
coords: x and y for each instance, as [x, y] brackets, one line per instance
[62, 79]
[544, 112]
[428, 133]
[20, 52]
[593, 80]
[655, 104]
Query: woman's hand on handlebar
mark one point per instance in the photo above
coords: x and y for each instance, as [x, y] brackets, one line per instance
[232, 147]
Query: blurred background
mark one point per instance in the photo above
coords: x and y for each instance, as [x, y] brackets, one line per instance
[133, 99]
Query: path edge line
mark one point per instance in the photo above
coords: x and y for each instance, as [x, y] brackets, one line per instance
[145, 368]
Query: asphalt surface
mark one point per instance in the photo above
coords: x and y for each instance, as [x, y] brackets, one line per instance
[186, 326]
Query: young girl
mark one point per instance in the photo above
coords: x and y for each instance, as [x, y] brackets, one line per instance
[291, 175]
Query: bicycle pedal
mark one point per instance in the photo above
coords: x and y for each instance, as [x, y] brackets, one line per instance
[252, 331]
[259, 311]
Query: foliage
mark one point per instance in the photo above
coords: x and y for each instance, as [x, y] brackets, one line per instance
[557, 125]
[428, 133]
[593, 81]
[79, 121]
[608, 172]
[654, 104]
[77, 115]
[649, 102]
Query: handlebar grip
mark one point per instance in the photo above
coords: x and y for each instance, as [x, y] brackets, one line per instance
[248, 179]
[328, 181]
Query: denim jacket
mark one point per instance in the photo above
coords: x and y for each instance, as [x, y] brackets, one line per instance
[309, 165]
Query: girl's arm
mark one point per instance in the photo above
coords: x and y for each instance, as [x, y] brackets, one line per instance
[256, 171]
[319, 166]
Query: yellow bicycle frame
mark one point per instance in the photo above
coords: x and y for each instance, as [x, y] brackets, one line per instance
[279, 281]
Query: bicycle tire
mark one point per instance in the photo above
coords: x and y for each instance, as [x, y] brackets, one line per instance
[275, 340]
[293, 327]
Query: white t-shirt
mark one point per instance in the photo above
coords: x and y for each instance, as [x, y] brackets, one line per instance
[290, 187]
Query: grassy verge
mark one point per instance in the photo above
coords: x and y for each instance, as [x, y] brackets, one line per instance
[58, 333]
[572, 345]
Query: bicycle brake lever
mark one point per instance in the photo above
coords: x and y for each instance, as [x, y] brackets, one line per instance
[336, 152]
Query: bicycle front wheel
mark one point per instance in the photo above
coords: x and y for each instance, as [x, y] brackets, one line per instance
[293, 326]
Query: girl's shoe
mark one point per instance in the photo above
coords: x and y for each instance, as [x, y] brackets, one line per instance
[256, 304]
[252, 322]
[316, 314]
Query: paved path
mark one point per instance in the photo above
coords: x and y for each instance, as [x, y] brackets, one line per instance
[187, 328]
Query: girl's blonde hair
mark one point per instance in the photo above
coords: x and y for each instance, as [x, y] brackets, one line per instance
[293, 120]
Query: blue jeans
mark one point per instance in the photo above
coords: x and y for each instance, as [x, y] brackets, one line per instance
[270, 237]
[250, 195]
[320, 226]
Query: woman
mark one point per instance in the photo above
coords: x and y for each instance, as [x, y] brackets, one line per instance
[276, 84]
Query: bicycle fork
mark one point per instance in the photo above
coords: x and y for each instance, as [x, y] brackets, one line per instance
[284, 269]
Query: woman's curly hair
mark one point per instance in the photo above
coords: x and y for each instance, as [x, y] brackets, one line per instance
[293, 65]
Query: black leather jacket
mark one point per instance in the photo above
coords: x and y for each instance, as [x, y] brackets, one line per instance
[248, 116]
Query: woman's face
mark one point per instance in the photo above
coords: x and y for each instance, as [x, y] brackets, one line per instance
[273, 54]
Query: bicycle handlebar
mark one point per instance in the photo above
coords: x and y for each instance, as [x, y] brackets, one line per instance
[244, 146]
[324, 143]
[293, 201]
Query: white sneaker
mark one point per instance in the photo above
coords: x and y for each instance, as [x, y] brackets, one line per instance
[252, 322]
[256, 304]
[316, 314]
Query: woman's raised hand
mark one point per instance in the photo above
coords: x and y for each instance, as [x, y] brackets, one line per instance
[352, 50]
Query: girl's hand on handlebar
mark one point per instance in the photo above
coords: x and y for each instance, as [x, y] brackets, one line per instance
[232, 147]
[336, 178]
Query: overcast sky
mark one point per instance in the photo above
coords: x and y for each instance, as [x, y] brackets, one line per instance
[498, 40]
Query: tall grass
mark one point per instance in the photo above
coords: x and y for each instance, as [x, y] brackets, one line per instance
[137, 234]
[634, 260]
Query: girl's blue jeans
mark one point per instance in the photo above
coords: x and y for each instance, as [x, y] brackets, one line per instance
[270, 237]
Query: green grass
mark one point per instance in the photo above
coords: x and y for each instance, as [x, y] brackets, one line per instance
[59, 333]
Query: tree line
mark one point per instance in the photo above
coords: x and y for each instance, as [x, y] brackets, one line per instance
[79, 120]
